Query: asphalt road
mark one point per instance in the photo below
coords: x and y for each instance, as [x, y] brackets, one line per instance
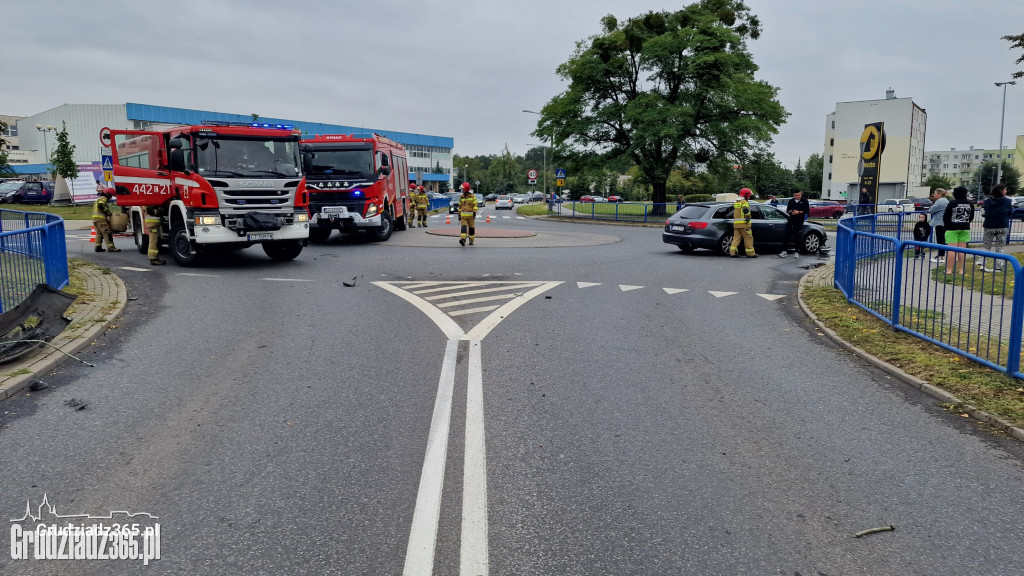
[612, 408]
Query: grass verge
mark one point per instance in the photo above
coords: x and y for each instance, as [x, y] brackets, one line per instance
[77, 212]
[974, 384]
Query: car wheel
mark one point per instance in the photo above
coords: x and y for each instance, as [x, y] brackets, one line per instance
[837, 215]
[181, 247]
[812, 243]
[141, 240]
[283, 250]
[387, 226]
[724, 243]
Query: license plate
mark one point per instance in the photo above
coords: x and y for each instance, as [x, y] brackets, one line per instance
[333, 210]
[678, 228]
[260, 236]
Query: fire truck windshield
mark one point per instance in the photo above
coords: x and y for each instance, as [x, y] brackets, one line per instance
[247, 157]
[348, 162]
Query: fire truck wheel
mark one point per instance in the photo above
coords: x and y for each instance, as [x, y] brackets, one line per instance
[403, 222]
[181, 246]
[141, 240]
[283, 250]
[319, 234]
[387, 226]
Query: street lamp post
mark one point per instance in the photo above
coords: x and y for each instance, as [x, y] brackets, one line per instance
[44, 130]
[545, 167]
[999, 160]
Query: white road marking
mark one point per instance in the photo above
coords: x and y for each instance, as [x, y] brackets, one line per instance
[197, 275]
[772, 296]
[134, 269]
[445, 288]
[419, 556]
[720, 294]
[627, 288]
[474, 557]
[675, 290]
[505, 288]
[587, 284]
[475, 300]
[287, 279]
[472, 311]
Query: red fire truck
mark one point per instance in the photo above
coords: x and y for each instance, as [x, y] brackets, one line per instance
[356, 182]
[221, 185]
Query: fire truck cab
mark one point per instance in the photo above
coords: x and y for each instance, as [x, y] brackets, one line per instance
[356, 182]
[213, 185]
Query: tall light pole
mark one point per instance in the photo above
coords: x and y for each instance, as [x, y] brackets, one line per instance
[545, 168]
[44, 130]
[999, 160]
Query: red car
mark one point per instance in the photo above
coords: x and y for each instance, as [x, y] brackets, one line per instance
[616, 199]
[824, 209]
[587, 198]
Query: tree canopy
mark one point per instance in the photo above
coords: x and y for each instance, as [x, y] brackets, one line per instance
[985, 177]
[664, 89]
[1018, 43]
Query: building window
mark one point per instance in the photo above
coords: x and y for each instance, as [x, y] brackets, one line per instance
[831, 141]
[12, 130]
[833, 124]
[829, 158]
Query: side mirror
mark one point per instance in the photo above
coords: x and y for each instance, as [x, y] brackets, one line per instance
[307, 162]
[305, 148]
[176, 158]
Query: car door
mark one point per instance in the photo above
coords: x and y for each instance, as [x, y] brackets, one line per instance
[141, 174]
[768, 225]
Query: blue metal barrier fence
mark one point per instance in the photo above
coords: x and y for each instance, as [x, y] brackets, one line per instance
[961, 299]
[32, 251]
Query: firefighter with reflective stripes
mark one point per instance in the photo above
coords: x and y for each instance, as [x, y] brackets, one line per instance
[152, 222]
[741, 225]
[100, 214]
[467, 214]
[422, 205]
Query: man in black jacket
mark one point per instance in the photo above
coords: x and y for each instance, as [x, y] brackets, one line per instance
[797, 208]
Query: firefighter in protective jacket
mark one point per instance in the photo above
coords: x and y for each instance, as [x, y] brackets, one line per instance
[100, 214]
[741, 225]
[422, 204]
[153, 216]
[467, 215]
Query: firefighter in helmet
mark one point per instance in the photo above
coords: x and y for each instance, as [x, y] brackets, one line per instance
[100, 219]
[154, 214]
[422, 204]
[467, 215]
[741, 225]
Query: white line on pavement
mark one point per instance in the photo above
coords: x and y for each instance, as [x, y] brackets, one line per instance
[134, 269]
[474, 559]
[419, 556]
[287, 279]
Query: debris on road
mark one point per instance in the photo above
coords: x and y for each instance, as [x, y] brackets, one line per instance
[888, 528]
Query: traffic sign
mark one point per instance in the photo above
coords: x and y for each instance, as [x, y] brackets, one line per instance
[560, 182]
[560, 174]
[108, 163]
[105, 136]
[531, 174]
[108, 176]
[531, 181]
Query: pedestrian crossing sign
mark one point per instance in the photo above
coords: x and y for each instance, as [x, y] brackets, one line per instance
[108, 163]
[560, 173]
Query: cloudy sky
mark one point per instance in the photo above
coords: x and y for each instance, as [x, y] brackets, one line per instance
[467, 69]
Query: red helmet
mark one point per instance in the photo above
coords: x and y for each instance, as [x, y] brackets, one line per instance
[465, 186]
[419, 187]
[746, 193]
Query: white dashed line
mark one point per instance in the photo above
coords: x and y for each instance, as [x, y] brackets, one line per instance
[720, 294]
[134, 269]
[627, 288]
[587, 284]
[771, 297]
[675, 290]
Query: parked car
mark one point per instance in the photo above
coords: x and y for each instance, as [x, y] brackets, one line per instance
[31, 193]
[921, 203]
[709, 225]
[616, 199]
[490, 197]
[520, 199]
[600, 199]
[503, 202]
[537, 196]
[823, 209]
[586, 198]
[7, 190]
[896, 205]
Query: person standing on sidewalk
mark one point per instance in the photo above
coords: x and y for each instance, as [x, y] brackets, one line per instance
[957, 219]
[797, 208]
[922, 231]
[996, 220]
[741, 225]
[935, 215]
[467, 215]
[100, 219]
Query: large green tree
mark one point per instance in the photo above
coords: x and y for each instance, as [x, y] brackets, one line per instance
[666, 88]
[984, 177]
[814, 171]
[1018, 43]
[936, 181]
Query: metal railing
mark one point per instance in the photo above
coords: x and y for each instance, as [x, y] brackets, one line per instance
[973, 310]
[32, 251]
[616, 211]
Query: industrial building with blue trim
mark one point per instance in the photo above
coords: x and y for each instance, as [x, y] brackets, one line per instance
[31, 138]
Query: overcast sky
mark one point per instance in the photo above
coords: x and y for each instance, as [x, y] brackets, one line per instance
[467, 69]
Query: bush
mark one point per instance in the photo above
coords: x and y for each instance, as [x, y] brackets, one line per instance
[697, 198]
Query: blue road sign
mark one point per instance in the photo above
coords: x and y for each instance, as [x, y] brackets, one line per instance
[108, 162]
[560, 173]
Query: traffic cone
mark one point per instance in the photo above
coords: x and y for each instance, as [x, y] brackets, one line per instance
[92, 236]
[488, 221]
[448, 218]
